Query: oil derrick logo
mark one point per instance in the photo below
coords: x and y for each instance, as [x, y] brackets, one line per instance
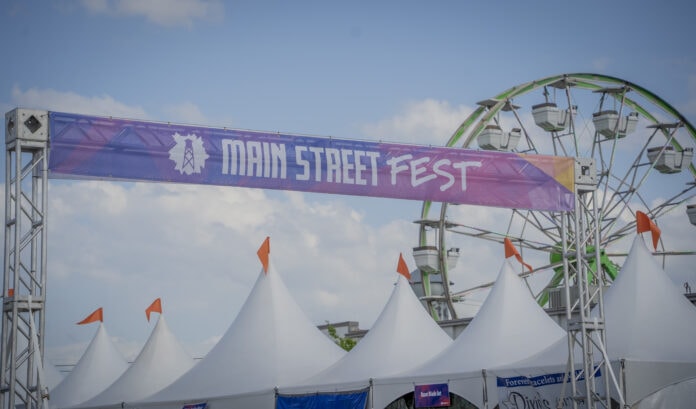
[188, 153]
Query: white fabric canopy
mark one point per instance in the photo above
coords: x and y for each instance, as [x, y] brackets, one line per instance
[52, 376]
[650, 326]
[679, 395]
[270, 343]
[403, 336]
[100, 365]
[161, 361]
[509, 326]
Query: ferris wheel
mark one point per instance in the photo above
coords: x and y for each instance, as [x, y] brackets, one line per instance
[641, 148]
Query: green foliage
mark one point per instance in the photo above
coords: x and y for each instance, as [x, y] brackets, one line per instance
[343, 342]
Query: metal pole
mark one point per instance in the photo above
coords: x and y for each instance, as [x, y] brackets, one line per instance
[24, 279]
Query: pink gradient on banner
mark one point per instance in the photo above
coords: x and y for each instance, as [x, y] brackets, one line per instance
[119, 149]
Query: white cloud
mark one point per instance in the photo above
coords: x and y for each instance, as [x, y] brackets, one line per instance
[162, 12]
[427, 122]
[66, 101]
[195, 247]
[185, 113]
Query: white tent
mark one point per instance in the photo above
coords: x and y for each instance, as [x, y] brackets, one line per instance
[650, 330]
[270, 343]
[52, 376]
[402, 337]
[100, 365]
[509, 326]
[161, 361]
[678, 395]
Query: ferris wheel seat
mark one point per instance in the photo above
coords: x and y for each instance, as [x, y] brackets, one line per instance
[691, 212]
[493, 138]
[669, 160]
[611, 126]
[426, 258]
[549, 117]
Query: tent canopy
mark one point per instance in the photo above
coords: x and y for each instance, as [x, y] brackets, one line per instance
[100, 365]
[270, 343]
[509, 326]
[161, 361]
[650, 327]
[403, 336]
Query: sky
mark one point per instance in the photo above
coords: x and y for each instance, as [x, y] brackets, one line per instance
[406, 72]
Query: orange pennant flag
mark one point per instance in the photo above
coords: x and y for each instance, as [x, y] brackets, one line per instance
[263, 253]
[156, 306]
[511, 250]
[97, 315]
[402, 268]
[643, 224]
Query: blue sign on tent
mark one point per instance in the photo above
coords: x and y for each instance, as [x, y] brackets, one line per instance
[202, 405]
[339, 400]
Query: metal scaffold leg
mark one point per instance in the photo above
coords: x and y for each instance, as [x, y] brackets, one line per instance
[24, 283]
[586, 316]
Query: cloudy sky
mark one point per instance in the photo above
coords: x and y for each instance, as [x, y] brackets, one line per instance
[407, 71]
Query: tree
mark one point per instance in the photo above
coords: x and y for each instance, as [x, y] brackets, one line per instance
[343, 342]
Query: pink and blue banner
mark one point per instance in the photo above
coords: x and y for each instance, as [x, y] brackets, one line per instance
[119, 149]
[431, 396]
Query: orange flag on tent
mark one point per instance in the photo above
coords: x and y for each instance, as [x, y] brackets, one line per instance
[402, 268]
[263, 253]
[643, 223]
[97, 315]
[511, 250]
[156, 306]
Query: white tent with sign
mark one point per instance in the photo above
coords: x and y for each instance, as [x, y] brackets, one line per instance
[100, 365]
[650, 332]
[161, 361]
[509, 326]
[402, 337]
[270, 343]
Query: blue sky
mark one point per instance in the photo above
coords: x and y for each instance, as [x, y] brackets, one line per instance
[407, 71]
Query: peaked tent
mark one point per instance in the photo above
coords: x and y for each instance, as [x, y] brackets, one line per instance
[679, 395]
[52, 375]
[650, 328]
[403, 336]
[650, 325]
[270, 343]
[161, 361]
[509, 326]
[100, 365]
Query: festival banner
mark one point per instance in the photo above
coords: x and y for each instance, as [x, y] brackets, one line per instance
[433, 395]
[545, 391]
[118, 149]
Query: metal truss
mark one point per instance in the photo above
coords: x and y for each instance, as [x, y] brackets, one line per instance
[24, 283]
[585, 316]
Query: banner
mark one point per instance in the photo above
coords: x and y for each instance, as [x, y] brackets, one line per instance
[118, 149]
[434, 395]
[338, 400]
[546, 391]
[202, 405]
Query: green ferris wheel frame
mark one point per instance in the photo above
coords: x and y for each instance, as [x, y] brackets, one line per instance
[487, 110]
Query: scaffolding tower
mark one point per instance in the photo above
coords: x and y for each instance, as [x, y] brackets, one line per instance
[24, 284]
[586, 329]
